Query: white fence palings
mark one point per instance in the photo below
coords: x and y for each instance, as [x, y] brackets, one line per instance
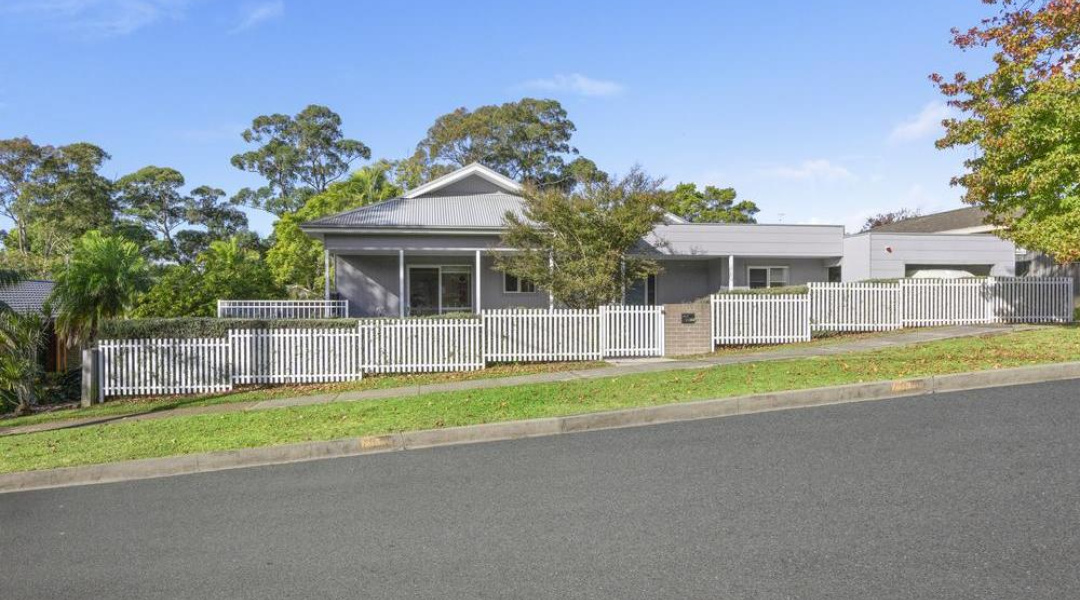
[857, 306]
[282, 309]
[263, 356]
[632, 331]
[421, 345]
[934, 302]
[748, 319]
[532, 335]
[164, 366]
[1032, 300]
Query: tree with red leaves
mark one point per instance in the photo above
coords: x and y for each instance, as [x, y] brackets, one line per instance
[1023, 120]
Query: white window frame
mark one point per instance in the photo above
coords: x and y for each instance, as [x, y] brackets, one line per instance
[439, 300]
[519, 282]
[768, 275]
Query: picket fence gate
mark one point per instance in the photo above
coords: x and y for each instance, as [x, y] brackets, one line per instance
[739, 319]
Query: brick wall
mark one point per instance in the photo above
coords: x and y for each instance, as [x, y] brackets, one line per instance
[682, 339]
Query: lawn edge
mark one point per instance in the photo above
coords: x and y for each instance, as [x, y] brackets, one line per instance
[508, 430]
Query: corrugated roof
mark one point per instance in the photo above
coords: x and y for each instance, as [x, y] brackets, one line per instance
[480, 211]
[26, 296]
[961, 218]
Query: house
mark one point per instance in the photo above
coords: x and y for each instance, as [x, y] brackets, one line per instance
[972, 221]
[29, 296]
[432, 251]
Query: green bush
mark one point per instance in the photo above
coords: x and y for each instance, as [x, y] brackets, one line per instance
[204, 327]
[791, 289]
[200, 327]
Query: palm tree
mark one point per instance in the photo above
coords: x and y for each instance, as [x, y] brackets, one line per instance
[22, 337]
[101, 281]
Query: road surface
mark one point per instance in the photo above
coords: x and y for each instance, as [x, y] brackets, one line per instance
[966, 495]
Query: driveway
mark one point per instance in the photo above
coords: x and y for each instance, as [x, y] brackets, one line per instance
[966, 495]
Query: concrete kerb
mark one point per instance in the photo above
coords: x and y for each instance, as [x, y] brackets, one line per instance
[634, 417]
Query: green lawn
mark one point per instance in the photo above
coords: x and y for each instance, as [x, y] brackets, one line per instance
[146, 404]
[182, 435]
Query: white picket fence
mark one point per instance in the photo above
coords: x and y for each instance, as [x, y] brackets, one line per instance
[282, 309]
[740, 319]
[295, 355]
[273, 356]
[854, 306]
[164, 366]
[421, 345]
[879, 306]
[1032, 300]
[541, 335]
[631, 331]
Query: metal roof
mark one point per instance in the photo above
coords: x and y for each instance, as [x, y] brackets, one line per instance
[961, 218]
[478, 211]
[26, 296]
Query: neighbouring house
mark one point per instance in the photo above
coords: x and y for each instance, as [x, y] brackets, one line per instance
[971, 221]
[29, 296]
[955, 243]
[431, 251]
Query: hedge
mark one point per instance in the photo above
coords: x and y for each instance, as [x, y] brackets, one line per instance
[791, 289]
[203, 327]
[200, 327]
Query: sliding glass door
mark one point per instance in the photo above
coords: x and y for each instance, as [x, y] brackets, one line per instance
[440, 290]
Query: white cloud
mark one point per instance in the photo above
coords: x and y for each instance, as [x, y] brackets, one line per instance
[810, 170]
[925, 124]
[99, 17]
[257, 14]
[576, 83]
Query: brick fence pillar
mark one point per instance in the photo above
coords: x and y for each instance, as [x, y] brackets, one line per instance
[687, 329]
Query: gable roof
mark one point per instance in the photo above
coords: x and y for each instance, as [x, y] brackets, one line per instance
[477, 211]
[950, 220]
[26, 296]
[478, 170]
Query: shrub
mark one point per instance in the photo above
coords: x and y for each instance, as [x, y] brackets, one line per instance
[791, 289]
[199, 327]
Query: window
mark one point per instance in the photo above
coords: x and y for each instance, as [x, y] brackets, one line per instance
[641, 292]
[513, 285]
[835, 275]
[766, 277]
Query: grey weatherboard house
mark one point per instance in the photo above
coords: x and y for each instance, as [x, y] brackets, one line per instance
[432, 251]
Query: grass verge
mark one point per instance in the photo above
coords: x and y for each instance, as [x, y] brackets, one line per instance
[204, 433]
[147, 404]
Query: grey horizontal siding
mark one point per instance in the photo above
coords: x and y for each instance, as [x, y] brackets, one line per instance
[700, 239]
[389, 243]
[471, 211]
[890, 253]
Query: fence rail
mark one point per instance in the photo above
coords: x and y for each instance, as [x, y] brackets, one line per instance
[283, 309]
[760, 319]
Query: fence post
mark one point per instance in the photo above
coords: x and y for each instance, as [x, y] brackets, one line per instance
[90, 392]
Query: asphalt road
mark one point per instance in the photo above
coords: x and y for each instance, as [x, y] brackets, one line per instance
[968, 495]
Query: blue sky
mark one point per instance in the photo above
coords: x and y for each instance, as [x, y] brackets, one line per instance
[820, 112]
